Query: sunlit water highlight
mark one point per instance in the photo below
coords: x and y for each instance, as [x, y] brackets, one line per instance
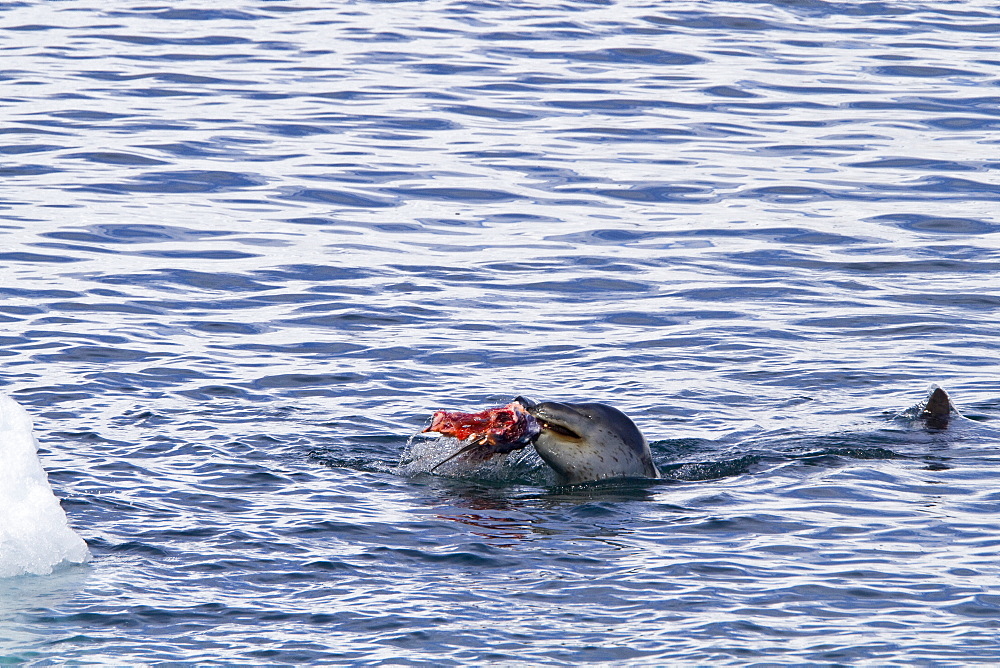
[246, 251]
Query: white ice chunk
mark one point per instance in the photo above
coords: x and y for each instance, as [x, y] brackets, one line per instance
[34, 533]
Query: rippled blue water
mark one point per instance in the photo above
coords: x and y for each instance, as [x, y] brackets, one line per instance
[247, 248]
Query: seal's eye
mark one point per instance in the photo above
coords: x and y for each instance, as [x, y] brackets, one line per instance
[561, 430]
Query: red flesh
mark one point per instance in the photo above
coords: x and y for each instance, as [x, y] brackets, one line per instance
[506, 425]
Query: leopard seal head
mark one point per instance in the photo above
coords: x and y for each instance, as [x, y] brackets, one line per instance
[588, 442]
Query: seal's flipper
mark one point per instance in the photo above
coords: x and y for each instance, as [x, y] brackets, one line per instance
[938, 409]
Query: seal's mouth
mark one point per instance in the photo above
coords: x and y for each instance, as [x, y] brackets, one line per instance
[544, 420]
[559, 429]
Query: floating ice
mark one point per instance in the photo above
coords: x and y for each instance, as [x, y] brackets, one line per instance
[34, 533]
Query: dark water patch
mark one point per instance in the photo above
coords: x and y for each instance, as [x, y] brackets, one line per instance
[391, 353]
[483, 557]
[307, 381]
[691, 342]
[30, 131]
[457, 194]
[21, 310]
[873, 268]
[983, 28]
[713, 470]
[207, 15]
[924, 71]
[331, 527]
[817, 238]
[963, 124]
[609, 134]
[28, 170]
[191, 181]
[75, 248]
[621, 107]
[89, 115]
[679, 447]
[37, 258]
[950, 299]
[581, 289]
[97, 354]
[638, 319]
[620, 56]
[79, 307]
[811, 90]
[918, 222]
[382, 37]
[216, 282]
[168, 374]
[252, 480]
[787, 194]
[729, 91]
[869, 325]
[714, 22]
[164, 77]
[226, 327]
[201, 307]
[209, 392]
[757, 523]
[655, 193]
[742, 293]
[953, 186]
[483, 112]
[834, 457]
[411, 124]
[220, 147]
[809, 150]
[49, 396]
[20, 149]
[33, 27]
[198, 255]
[618, 236]
[361, 176]
[313, 220]
[139, 548]
[336, 197]
[321, 350]
[111, 158]
[521, 267]
[918, 164]
[445, 69]
[6, 342]
[372, 319]
[459, 274]
[295, 130]
[150, 40]
[166, 92]
[38, 294]
[202, 255]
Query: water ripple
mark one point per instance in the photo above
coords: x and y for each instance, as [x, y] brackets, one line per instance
[247, 250]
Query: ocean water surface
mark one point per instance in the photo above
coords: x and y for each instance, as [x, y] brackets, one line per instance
[247, 248]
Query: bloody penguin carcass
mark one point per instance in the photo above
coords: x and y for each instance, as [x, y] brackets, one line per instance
[502, 429]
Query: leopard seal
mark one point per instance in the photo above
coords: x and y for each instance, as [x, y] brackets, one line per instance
[589, 442]
[937, 410]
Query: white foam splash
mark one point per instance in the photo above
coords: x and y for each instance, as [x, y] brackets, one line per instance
[437, 455]
[34, 533]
